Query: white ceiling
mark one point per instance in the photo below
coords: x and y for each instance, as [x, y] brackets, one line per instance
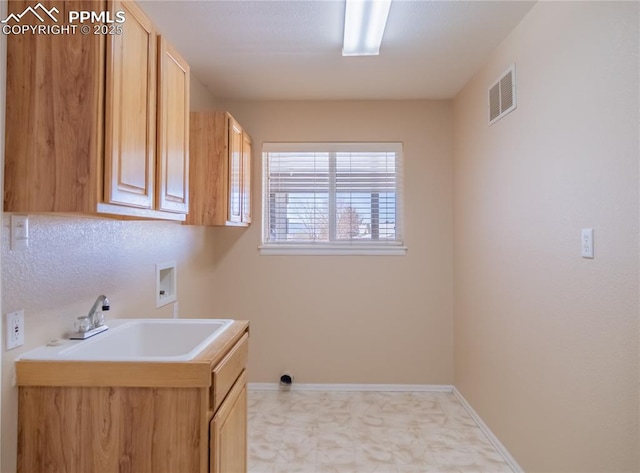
[284, 50]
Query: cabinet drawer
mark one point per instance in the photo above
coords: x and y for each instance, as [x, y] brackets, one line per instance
[227, 371]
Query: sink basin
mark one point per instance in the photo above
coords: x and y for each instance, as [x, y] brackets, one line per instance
[139, 340]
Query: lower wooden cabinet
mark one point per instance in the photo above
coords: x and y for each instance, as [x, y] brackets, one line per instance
[228, 432]
[137, 417]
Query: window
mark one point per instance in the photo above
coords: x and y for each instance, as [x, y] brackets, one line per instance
[332, 198]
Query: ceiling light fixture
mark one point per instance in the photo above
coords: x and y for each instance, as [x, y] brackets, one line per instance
[364, 23]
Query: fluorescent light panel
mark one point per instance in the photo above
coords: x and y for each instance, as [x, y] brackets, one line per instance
[364, 23]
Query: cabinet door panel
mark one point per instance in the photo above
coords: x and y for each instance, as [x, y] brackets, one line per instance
[130, 111]
[235, 164]
[110, 429]
[246, 178]
[173, 130]
[208, 168]
[54, 110]
[228, 442]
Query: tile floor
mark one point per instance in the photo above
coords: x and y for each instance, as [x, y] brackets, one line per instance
[366, 432]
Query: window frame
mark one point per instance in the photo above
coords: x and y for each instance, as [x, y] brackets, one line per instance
[349, 247]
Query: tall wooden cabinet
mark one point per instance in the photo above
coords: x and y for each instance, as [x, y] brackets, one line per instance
[84, 130]
[220, 171]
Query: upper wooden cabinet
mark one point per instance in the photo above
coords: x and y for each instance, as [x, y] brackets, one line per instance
[91, 119]
[220, 171]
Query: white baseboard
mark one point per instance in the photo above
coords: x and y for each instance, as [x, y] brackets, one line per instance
[354, 387]
[513, 464]
[403, 388]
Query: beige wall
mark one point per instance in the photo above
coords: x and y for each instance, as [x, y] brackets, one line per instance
[546, 343]
[73, 260]
[349, 319]
[201, 98]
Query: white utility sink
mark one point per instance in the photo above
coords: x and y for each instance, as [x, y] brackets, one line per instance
[138, 340]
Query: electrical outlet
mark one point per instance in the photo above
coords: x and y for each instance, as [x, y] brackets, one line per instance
[587, 243]
[15, 329]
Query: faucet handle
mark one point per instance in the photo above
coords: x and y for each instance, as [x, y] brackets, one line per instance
[105, 304]
[82, 324]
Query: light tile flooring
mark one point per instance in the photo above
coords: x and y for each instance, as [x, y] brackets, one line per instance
[366, 432]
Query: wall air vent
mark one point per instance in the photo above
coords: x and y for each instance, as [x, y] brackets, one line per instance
[502, 95]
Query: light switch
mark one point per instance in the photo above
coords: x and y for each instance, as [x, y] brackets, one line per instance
[587, 242]
[19, 232]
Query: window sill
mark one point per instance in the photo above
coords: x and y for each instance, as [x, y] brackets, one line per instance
[329, 250]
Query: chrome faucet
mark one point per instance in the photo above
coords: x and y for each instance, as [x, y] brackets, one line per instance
[92, 323]
[96, 317]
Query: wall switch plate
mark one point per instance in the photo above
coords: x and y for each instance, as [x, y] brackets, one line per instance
[587, 243]
[15, 329]
[19, 232]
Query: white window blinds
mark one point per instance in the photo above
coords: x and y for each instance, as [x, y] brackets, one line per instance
[332, 194]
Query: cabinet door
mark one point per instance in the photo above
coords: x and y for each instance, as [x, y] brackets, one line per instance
[130, 110]
[228, 435]
[235, 166]
[173, 130]
[54, 114]
[246, 178]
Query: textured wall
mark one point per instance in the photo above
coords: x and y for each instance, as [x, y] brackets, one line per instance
[72, 260]
[546, 343]
[350, 319]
